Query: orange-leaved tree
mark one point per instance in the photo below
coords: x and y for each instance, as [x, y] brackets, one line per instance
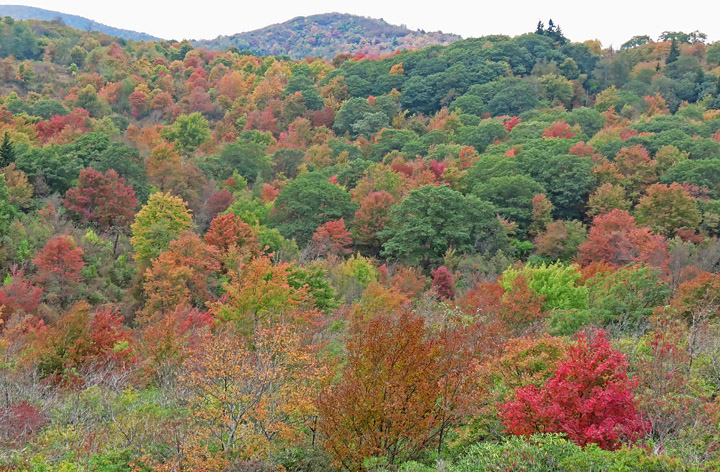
[260, 294]
[184, 275]
[249, 396]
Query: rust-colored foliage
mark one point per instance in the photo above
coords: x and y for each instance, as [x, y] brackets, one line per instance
[378, 300]
[182, 275]
[332, 238]
[582, 149]
[385, 403]
[59, 269]
[372, 217]
[616, 238]
[230, 235]
[699, 298]
[175, 175]
[515, 310]
[59, 261]
[20, 295]
[541, 214]
[102, 199]
[82, 342]
[167, 340]
[637, 168]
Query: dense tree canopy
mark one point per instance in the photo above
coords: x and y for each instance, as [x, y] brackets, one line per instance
[496, 254]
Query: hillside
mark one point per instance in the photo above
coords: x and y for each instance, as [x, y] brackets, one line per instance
[328, 35]
[214, 261]
[22, 12]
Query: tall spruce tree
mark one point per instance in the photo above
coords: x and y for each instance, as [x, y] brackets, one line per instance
[7, 151]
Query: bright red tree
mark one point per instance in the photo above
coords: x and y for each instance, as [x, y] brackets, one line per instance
[558, 129]
[589, 398]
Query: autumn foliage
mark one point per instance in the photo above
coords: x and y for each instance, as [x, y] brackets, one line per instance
[616, 238]
[590, 398]
[102, 199]
[385, 402]
[496, 254]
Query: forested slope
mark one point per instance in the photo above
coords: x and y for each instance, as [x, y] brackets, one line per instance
[327, 36]
[500, 254]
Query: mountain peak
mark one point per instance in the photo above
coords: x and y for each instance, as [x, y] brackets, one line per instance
[328, 34]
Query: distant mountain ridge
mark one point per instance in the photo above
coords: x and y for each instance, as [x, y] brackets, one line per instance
[22, 12]
[327, 35]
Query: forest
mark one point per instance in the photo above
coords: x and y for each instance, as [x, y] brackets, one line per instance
[499, 254]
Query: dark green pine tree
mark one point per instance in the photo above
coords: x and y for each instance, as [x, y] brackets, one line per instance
[674, 52]
[715, 104]
[7, 151]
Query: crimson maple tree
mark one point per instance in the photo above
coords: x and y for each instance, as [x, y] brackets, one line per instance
[590, 398]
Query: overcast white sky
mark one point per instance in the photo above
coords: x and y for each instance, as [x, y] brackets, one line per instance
[611, 21]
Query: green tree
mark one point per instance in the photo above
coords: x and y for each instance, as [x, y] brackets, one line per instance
[705, 173]
[6, 210]
[188, 132]
[247, 158]
[556, 282]
[58, 168]
[308, 202]
[674, 52]
[157, 223]
[129, 165]
[481, 136]
[351, 112]
[7, 151]
[712, 54]
[626, 298]
[512, 196]
[431, 220]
